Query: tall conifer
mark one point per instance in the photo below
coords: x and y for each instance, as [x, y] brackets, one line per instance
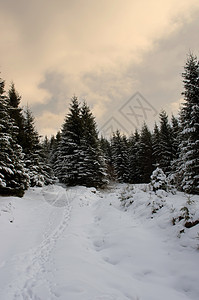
[188, 163]
[13, 177]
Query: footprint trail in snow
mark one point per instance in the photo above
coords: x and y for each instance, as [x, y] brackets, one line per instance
[34, 268]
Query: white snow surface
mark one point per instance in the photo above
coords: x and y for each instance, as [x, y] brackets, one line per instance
[79, 243]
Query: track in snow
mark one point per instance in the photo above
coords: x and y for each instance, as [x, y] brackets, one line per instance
[35, 267]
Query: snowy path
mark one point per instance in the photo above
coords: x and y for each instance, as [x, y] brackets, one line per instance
[31, 271]
[79, 244]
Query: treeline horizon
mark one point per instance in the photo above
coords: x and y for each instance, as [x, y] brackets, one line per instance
[77, 156]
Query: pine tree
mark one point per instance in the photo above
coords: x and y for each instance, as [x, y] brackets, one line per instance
[13, 177]
[156, 146]
[105, 145]
[47, 170]
[34, 159]
[188, 164]
[159, 180]
[67, 167]
[16, 113]
[79, 155]
[119, 146]
[166, 141]
[92, 164]
[145, 160]
[54, 151]
[134, 170]
[175, 127]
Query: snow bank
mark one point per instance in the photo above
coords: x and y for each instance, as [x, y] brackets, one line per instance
[80, 243]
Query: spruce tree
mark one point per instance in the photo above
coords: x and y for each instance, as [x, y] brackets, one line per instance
[188, 164]
[13, 177]
[159, 180]
[80, 159]
[156, 146]
[105, 145]
[47, 170]
[119, 146]
[16, 113]
[175, 128]
[145, 159]
[54, 151]
[34, 159]
[134, 170]
[67, 166]
[92, 164]
[166, 141]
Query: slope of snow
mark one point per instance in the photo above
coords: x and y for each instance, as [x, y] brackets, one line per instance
[83, 244]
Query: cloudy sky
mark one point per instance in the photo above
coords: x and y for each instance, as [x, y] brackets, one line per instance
[103, 51]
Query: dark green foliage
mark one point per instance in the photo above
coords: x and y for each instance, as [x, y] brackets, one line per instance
[13, 96]
[47, 170]
[145, 160]
[166, 142]
[156, 146]
[175, 127]
[119, 146]
[134, 169]
[54, 150]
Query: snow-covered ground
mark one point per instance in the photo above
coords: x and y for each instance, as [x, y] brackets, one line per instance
[85, 244]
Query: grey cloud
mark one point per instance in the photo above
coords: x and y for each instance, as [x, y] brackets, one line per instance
[55, 84]
[157, 77]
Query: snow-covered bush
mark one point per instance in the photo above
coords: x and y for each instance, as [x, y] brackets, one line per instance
[188, 214]
[126, 196]
[159, 180]
[156, 204]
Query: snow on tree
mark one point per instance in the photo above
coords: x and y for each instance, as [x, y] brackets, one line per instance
[92, 172]
[16, 113]
[67, 166]
[159, 180]
[13, 176]
[34, 160]
[187, 173]
[79, 156]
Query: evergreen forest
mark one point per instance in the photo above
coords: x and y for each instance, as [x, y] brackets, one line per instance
[78, 156]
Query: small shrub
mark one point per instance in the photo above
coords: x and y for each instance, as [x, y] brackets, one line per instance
[159, 180]
[126, 196]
